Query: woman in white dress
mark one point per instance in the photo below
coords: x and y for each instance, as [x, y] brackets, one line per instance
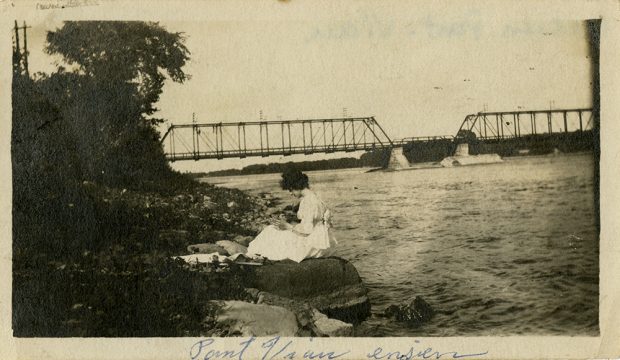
[311, 238]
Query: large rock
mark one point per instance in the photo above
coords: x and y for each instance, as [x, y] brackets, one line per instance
[303, 312]
[413, 314]
[310, 321]
[331, 285]
[247, 319]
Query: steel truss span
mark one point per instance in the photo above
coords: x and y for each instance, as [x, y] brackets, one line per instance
[517, 124]
[268, 138]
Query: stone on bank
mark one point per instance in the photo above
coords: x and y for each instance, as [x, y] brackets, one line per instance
[247, 319]
[232, 247]
[330, 285]
[324, 326]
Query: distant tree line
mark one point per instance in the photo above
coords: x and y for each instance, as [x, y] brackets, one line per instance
[575, 141]
[375, 158]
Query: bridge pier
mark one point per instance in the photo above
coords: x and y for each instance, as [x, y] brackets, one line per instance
[462, 149]
[397, 160]
[462, 157]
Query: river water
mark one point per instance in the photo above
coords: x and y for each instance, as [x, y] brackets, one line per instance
[501, 249]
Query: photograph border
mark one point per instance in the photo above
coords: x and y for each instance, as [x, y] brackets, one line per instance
[509, 347]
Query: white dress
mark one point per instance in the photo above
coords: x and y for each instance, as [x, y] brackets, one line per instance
[315, 225]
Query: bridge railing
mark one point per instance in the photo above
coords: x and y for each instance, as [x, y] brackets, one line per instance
[415, 139]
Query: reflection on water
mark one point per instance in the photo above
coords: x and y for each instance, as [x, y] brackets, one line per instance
[501, 249]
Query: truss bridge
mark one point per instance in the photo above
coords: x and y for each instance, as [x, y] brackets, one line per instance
[268, 138]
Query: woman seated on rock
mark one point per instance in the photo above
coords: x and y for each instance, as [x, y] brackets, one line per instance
[311, 238]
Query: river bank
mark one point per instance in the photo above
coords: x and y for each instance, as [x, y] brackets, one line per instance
[119, 277]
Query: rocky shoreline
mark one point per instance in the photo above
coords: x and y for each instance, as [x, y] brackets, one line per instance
[325, 296]
[124, 273]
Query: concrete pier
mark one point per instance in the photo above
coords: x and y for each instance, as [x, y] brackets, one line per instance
[462, 150]
[397, 160]
[462, 157]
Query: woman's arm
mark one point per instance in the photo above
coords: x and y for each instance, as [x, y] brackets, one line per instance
[283, 225]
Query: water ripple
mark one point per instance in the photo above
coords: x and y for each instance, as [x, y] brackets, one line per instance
[510, 249]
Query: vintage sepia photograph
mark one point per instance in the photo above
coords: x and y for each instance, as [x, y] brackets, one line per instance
[345, 176]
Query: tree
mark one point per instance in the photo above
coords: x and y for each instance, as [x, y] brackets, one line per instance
[108, 95]
[138, 53]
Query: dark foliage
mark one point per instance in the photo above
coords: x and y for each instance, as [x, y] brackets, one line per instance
[436, 150]
[118, 294]
[93, 194]
[123, 52]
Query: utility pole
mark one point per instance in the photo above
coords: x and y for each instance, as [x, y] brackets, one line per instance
[16, 52]
[20, 58]
[25, 50]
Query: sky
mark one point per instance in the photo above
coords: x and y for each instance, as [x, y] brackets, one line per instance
[418, 76]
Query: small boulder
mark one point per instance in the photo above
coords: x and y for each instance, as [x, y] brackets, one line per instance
[324, 326]
[272, 211]
[243, 240]
[232, 247]
[207, 249]
[208, 203]
[253, 293]
[256, 227]
[414, 314]
[303, 311]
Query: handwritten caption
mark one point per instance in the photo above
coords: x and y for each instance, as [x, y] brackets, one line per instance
[278, 348]
[64, 4]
